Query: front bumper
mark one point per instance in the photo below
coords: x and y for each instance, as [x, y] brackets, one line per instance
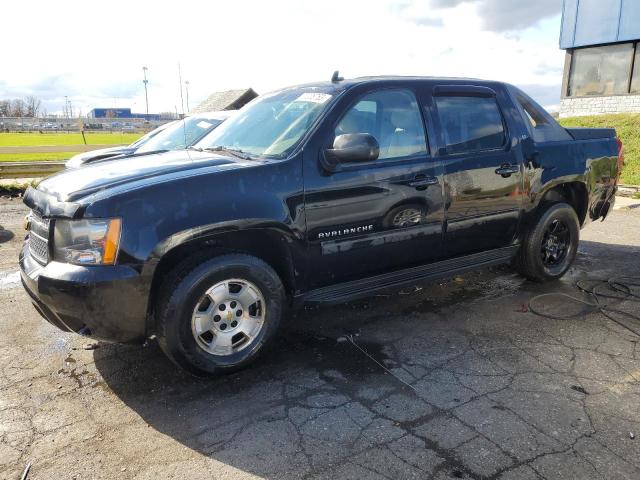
[102, 302]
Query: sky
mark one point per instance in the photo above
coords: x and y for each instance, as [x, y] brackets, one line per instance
[93, 52]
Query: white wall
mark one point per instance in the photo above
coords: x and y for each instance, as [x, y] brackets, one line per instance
[576, 107]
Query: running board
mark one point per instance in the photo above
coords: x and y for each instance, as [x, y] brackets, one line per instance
[434, 271]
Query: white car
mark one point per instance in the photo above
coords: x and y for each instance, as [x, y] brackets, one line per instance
[175, 135]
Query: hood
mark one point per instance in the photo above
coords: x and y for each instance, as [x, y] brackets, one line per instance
[81, 159]
[71, 185]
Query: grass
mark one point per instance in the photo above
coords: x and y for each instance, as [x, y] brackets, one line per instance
[35, 157]
[627, 126]
[47, 139]
[15, 189]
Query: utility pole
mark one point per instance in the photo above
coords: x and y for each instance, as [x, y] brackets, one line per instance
[186, 83]
[181, 98]
[145, 81]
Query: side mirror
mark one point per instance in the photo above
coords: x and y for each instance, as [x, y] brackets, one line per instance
[354, 147]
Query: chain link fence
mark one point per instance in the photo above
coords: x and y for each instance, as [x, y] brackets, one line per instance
[57, 124]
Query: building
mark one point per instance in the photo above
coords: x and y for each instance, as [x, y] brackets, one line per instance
[120, 113]
[602, 62]
[227, 100]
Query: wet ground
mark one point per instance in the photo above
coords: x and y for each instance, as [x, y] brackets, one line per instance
[457, 379]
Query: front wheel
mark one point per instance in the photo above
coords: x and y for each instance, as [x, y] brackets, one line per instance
[217, 315]
[550, 246]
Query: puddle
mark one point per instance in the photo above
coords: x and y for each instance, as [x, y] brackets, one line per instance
[9, 280]
[331, 354]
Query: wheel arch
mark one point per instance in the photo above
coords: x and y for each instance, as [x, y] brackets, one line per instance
[574, 193]
[271, 245]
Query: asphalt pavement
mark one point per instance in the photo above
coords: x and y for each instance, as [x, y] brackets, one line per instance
[457, 379]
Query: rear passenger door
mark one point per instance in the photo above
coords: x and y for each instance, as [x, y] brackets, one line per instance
[483, 169]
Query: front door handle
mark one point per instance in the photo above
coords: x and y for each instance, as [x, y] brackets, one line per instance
[506, 169]
[422, 182]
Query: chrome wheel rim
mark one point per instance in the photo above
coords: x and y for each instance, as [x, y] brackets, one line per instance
[407, 217]
[229, 317]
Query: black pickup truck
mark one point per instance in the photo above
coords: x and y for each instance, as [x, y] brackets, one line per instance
[316, 193]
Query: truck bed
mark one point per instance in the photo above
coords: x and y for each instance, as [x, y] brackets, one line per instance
[591, 133]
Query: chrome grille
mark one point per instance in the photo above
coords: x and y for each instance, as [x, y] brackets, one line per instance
[39, 238]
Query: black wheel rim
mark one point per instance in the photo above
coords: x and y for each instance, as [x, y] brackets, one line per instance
[555, 243]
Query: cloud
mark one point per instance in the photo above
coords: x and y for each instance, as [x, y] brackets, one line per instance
[547, 69]
[428, 21]
[545, 95]
[403, 37]
[507, 15]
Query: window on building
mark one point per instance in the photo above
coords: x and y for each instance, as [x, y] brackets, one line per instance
[470, 124]
[601, 70]
[635, 80]
[393, 118]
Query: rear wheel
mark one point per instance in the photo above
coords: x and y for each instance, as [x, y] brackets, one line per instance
[217, 315]
[550, 246]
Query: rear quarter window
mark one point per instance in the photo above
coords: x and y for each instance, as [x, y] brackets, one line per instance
[541, 125]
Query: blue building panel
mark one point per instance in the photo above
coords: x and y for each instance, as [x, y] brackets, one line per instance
[594, 22]
[121, 113]
[110, 113]
[630, 20]
[568, 26]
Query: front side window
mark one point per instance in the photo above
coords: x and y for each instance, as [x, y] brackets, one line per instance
[601, 70]
[393, 118]
[470, 124]
[271, 125]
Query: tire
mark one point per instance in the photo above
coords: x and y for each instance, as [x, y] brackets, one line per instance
[190, 317]
[550, 246]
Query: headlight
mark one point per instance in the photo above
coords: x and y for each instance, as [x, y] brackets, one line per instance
[87, 242]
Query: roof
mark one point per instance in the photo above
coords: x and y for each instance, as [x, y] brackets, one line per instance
[595, 22]
[219, 115]
[226, 100]
[346, 83]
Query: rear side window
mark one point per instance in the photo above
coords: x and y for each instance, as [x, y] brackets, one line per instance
[470, 124]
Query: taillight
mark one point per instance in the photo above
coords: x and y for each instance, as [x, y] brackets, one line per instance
[620, 152]
[620, 157]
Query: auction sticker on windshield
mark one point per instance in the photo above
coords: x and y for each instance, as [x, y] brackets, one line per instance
[203, 124]
[313, 97]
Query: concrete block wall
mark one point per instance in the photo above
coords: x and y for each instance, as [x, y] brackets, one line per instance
[577, 107]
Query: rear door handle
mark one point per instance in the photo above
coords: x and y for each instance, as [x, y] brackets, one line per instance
[422, 181]
[507, 169]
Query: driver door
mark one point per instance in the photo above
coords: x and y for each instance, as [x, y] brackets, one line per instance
[371, 217]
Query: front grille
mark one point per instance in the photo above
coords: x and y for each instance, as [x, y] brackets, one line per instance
[39, 238]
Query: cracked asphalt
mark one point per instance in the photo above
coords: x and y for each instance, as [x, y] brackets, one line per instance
[474, 386]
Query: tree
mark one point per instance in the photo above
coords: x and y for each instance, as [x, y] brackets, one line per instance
[5, 108]
[18, 108]
[32, 106]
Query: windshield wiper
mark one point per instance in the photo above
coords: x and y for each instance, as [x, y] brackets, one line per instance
[193, 147]
[236, 152]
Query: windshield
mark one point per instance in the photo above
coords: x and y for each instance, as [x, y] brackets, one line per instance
[180, 135]
[271, 125]
[149, 135]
